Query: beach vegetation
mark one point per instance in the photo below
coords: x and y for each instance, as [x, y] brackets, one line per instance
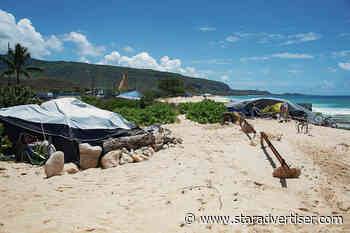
[17, 95]
[206, 111]
[141, 113]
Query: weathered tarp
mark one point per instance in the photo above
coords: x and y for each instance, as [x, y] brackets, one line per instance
[247, 104]
[67, 120]
[67, 113]
[135, 95]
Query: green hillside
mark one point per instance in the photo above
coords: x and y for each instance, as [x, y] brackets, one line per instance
[72, 75]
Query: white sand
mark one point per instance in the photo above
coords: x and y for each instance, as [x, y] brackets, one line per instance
[195, 99]
[155, 195]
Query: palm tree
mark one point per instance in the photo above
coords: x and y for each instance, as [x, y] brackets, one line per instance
[16, 61]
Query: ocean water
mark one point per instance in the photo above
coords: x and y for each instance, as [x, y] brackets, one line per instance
[336, 106]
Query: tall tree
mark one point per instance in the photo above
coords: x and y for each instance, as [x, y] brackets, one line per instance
[16, 61]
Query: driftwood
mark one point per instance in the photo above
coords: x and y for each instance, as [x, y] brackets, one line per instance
[132, 142]
[246, 127]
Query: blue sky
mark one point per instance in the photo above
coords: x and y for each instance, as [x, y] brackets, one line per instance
[276, 45]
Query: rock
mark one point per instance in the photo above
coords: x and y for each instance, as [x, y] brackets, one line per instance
[165, 146]
[71, 168]
[125, 158]
[111, 159]
[143, 157]
[54, 165]
[179, 140]
[151, 151]
[157, 147]
[158, 138]
[89, 155]
[136, 157]
[344, 204]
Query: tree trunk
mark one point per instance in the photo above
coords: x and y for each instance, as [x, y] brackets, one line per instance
[132, 142]
[17, 73]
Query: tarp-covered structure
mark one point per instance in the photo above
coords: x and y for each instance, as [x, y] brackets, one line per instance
[246, 106]
[133, 95]
[67, 121]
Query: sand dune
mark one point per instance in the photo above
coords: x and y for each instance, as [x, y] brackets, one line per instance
[214, 172]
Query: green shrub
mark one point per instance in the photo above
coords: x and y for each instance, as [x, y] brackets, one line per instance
[184, 107]
[155, 113]
[17, 95]
[147, 99]
[207, 111]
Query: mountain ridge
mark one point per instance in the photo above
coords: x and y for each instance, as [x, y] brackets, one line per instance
[84, 75]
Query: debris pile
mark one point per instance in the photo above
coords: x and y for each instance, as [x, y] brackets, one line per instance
[114, 152]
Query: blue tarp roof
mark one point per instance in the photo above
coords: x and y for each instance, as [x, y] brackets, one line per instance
[135, 95]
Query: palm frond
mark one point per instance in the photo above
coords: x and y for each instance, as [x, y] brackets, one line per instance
[7, 61]
[26, 73]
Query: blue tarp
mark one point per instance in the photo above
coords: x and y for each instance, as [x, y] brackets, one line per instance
[135, 95]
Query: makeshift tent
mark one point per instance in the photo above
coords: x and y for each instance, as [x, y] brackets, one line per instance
[245, 106]
[135, 95]
[67, 121]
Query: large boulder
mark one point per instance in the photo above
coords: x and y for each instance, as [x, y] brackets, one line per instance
[89, 155]
[111, 159]
[54, 165]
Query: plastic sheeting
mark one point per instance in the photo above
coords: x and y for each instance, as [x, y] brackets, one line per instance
[135, 95]
[247, 104]
[68, 111]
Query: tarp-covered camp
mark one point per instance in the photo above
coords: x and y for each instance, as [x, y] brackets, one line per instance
[66, 121]
[245, 106]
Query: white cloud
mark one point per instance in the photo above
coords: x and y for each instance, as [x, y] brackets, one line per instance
[340, 54]
[302, 37]
[54, 43]
[25, 33]
[294, 71]
[225, 78]
[292, 55]
[344, 65]
[332, 70]
[145, 61]
[244, 59]
[232, 38]
[214, 61]
[206, 29]
[346, 34]
[84, 59]
[128, 49]
[278, 55]
[325, 84]
[85, 48]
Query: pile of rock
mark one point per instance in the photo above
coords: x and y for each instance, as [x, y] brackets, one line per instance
[117, 151]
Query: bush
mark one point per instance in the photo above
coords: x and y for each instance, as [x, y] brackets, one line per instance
[147, 99]
[185, 107]
[207, 111]
[17, 95]
[155, 113]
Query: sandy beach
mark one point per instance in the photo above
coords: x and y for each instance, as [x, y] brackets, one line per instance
[216, 171]
[195, 99]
